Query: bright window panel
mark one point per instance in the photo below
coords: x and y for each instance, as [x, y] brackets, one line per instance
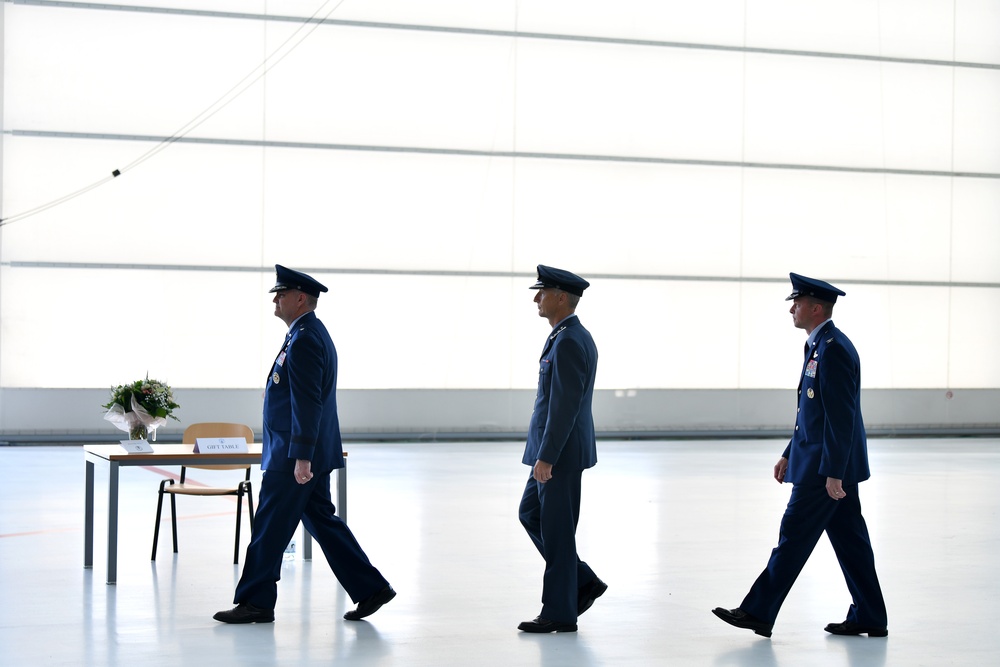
[126, 73]
[711, 21]
[483, 15]
[908, 29]
[190, 204]
[819, 111]
[610, 99]
[896, 352]
[388, 211]
[431, 332]
[916, 117]
[765, 346]
[977, 31]
[634, 219]
[835, 226]
[894, 28]
[974, 359]
[106, 327]
[393, 88]
[919, 224]
[659, 333]
[976, 231]
[977, 121]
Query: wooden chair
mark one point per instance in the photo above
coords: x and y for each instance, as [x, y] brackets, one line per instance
[208, 430]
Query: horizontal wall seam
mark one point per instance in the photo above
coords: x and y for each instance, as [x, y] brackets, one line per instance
[532, 155]
[269, 271]
[593, 39]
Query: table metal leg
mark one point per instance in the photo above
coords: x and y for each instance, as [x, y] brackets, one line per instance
[307, 547]
[307, 544]
[88, 516]
[342, 491]
[113, 523]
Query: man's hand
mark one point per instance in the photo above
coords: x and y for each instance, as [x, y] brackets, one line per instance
[542, 471]
[303, 471]
[780, 468]
[835, 488]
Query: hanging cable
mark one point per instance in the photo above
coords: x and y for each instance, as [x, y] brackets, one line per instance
[298, 36]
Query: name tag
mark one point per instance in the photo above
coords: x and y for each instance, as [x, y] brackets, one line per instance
[220, 446]
[137, 446]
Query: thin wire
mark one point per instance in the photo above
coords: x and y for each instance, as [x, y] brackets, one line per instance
[56, 202]
[222, 102]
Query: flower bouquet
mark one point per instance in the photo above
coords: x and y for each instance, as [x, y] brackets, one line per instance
[141, 407]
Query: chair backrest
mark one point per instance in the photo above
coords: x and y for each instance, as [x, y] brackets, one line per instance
[217, 430]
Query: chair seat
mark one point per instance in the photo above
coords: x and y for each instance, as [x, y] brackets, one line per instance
[192, 490]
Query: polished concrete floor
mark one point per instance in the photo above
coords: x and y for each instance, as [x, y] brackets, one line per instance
[674, 528]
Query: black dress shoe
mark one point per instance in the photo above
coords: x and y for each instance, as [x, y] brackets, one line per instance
[545, 625]
[848, 628]
[741, 619]
[371, 604]
[588, 594]
[245, 612]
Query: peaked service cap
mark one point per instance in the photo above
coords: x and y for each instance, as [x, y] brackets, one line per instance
[291, 279]
[559, 279]
[818, 289]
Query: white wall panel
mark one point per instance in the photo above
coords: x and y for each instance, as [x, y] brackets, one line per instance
[916, 117]
[827, 224]
[388, 211]
[974, 320]
[977, 128]
[429, 254]
[896, 28]
[191, 204]
[760, 338]
[433, 332]
[392, 88]
[609, 99]
[93, 328]
[977, 31]
[901, 334]
[634, 219]
[920, 221]
[128, 73]
[711, 21]
[976, 231]
[664, 333]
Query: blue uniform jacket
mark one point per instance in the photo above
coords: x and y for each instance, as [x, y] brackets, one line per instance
[561, 431]
[829, 438]
[300, 402]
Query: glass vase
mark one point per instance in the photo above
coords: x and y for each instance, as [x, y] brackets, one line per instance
[138, 433]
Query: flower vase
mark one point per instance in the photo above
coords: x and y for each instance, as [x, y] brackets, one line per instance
[138, 433]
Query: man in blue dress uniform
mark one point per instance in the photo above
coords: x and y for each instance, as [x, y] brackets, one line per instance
[301, 448]
[561, 445]
[824, 461]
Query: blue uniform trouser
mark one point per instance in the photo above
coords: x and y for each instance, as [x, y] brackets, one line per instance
[283, 502]
[810, 511]
[550, 513]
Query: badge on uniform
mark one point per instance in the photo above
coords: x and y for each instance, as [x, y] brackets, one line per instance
[810, 393]
[811, 369]
[281, 359]
[275, 378]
